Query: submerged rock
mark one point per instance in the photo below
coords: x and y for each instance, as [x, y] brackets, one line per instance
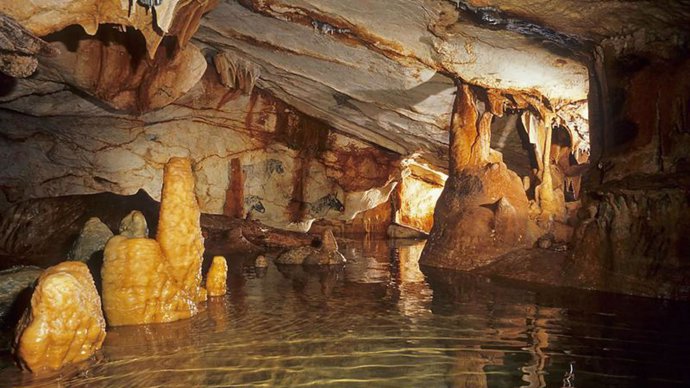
[327, 254]
[64, 323]
[216, 280]
[295, 255]
[134, 225]
[92, 238]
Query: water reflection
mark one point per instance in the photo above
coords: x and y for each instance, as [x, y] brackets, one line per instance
[381, 321]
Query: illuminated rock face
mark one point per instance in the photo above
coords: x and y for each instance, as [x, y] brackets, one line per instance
[64, 323]
[179, 230]
[482, 212]
[139, 286]
[216, 281]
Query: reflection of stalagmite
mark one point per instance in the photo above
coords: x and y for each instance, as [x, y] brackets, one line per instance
[64, 323]
[217, 277]
[179, 230]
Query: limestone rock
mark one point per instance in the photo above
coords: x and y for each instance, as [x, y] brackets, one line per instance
[19, 48]
[261, 262]
[139, 286]
[13, 282]
[92, 238]
[64, 323]
[216, 280]
[179, 229]
[326, 254]
[134, 225]
[177, 17]
[295, 255]
[481, 215]
[147, 281]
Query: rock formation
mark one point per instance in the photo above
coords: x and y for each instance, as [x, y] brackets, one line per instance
[325, 254]
[14, 282]
[64, 323]
[148, 281]
[217, 277]
[134, 225]
[19, 48]
[179, 229]
[92, 239]
[482, 212]
[139, 286]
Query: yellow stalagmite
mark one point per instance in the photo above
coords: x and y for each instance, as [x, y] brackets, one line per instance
[217, 277]
[179, 229]
[138, 284]
[64, 323]
[148, 281]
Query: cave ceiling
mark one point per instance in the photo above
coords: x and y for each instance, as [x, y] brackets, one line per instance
[382, 71]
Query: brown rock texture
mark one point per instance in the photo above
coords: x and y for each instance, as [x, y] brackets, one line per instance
[19, 48]
[179, 228]
[482, 212]
[139, 286]
[216, 280]
[176, 17]
[64, 323]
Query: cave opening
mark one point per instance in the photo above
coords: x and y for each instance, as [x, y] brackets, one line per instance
[293, 193]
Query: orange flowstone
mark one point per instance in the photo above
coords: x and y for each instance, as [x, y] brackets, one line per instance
[64, 323]
[216, 280]
[138, 284]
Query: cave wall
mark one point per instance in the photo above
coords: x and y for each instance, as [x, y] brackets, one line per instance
[62, 143]
[633, 230]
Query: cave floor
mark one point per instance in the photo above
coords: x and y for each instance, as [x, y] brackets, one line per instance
[380, 321]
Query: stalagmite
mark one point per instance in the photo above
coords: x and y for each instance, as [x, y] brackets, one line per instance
[147, 281]
[64, 323]
[139, 286]
[216, 281]
[179, 230]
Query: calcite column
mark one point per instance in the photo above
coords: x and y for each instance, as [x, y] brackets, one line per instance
[64, 323]
[179, 228]
[482, 211]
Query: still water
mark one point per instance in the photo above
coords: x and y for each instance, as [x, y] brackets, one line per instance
[381, 322]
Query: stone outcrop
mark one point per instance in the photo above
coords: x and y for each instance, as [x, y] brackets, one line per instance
[216, 279]
[92, 239]
[149, 281]
[64, 323]
[325, 254]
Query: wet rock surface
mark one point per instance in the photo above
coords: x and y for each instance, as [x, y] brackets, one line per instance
[64, 323]
[216, 281]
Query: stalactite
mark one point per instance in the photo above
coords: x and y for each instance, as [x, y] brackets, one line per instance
[236, 73]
